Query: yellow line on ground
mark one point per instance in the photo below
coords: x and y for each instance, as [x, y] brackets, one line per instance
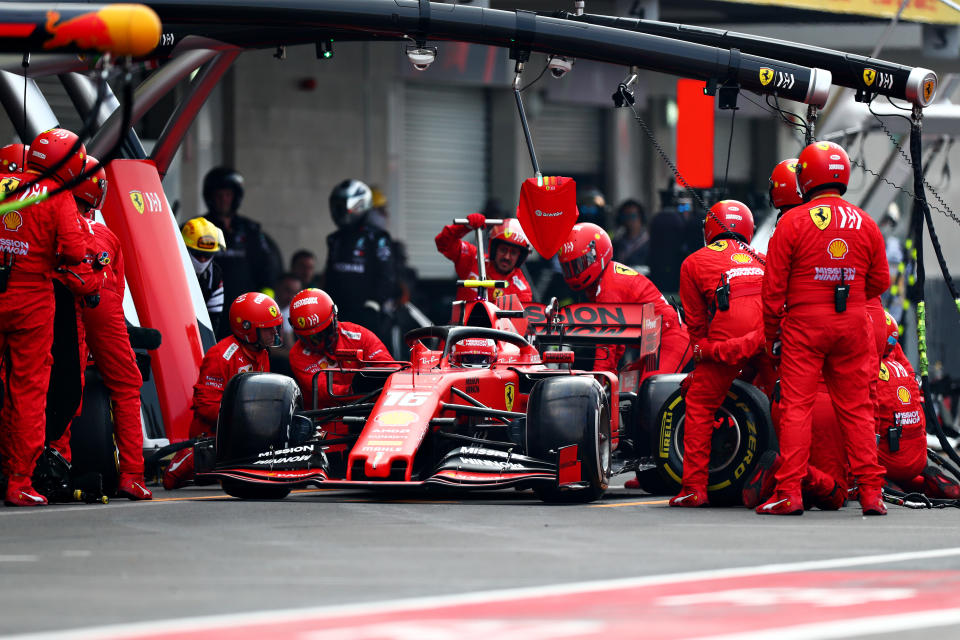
[627, 504]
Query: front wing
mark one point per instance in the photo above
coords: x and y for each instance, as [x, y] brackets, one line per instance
[469, 467]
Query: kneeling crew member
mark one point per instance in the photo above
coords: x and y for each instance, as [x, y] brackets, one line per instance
[255, 322]
[320, 335]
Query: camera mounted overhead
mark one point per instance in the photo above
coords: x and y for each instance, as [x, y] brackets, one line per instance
[559, 66]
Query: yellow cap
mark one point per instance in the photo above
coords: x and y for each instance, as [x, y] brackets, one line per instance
[200, 234]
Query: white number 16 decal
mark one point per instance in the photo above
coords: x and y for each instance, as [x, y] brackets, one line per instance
[406, 398]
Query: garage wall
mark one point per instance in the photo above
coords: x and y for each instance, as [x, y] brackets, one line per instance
[302, 126]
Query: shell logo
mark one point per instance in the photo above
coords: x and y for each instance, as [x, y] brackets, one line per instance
[12, 221]
[740, 258]
[396, 418]
[837, 249]
[903, 394]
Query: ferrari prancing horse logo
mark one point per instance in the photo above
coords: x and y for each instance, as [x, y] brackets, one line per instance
[821, 216]
[137, 199]
[509, 393]
[869, 75]
[766, 75]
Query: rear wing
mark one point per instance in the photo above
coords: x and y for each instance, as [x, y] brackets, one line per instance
[596, 323]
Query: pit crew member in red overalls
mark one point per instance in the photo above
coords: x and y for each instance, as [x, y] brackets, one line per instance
[320, 335]
[824, 485]
[255, 322]
[825, 260]
[508, 248]
[901, 423]
[106, 336]
[29, 243]
[586, 259]
[720, 290]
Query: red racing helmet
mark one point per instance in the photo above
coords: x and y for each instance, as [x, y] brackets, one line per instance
[728, 218]
[585, 255]
[822, 165]
[473, 352]
[783, 185]
[13, 157]
[51, 147]
[313, 316]
[251, 312]
[885, 330]
[510, 232]
[93, 189]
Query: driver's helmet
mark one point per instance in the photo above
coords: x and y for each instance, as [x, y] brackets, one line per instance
[251, 312]
[313, 316]
[473, 352]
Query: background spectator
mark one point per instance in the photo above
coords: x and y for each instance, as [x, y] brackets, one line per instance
[631, 241]
[303, 265]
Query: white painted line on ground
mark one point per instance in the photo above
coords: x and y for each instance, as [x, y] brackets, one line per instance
[478, 597]
[77, 553]
[852, 627]
[18, 558]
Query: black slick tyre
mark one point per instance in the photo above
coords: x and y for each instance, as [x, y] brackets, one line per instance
[571, 410]
[745, 432]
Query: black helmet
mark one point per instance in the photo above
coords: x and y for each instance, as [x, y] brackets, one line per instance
[349, 202]
[222, 178]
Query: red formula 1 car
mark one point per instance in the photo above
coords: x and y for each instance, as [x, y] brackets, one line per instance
[523, 417]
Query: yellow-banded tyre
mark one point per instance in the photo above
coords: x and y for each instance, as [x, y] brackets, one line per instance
[743, 432]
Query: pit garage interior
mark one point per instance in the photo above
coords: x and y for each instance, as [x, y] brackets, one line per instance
[440, 142]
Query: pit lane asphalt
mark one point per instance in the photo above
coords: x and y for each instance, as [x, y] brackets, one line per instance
[197, 552]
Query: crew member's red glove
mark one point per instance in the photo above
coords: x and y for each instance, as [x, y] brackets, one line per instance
[477, 220]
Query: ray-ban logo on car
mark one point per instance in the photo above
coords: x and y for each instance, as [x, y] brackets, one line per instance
[544, 214]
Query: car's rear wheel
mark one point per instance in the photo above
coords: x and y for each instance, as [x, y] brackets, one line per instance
[744, 432]
[569, 410]
[253, 491]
